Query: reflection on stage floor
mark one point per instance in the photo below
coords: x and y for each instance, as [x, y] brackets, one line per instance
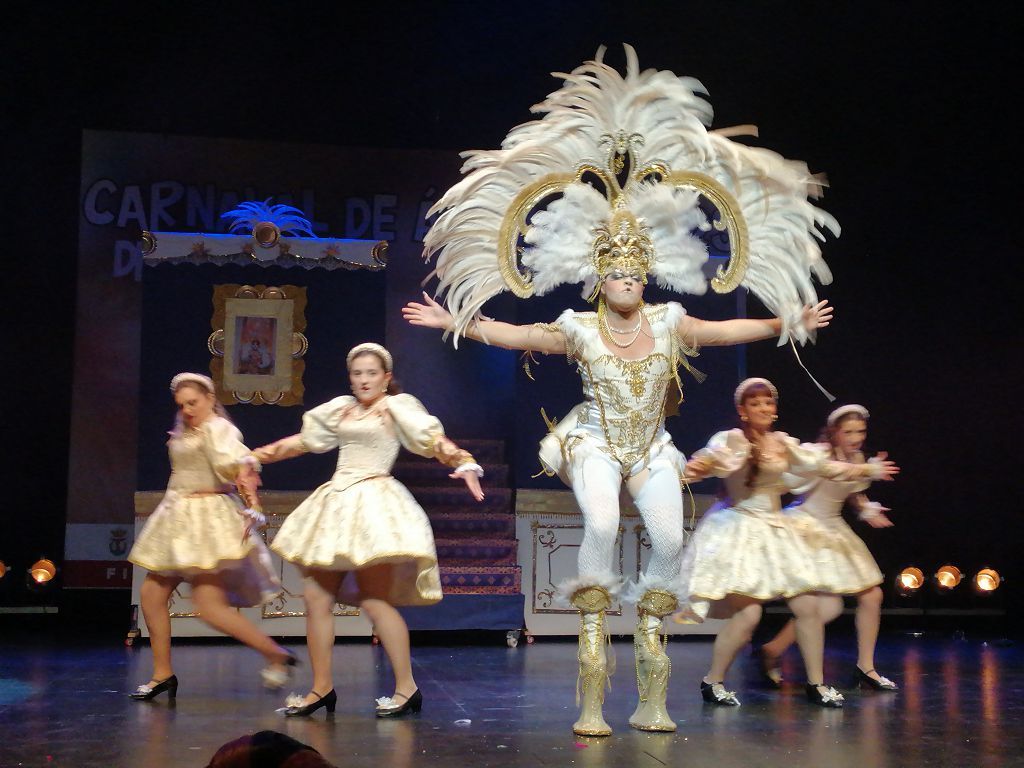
[961, 703]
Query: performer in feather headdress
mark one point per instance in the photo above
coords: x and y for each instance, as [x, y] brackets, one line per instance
[607, 189]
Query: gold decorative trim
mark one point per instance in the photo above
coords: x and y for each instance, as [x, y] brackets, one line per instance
[514, 225]
[290, 345]
[549, 592]
[728, 278]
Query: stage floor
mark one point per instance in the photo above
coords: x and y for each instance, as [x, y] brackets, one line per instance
[961, 704]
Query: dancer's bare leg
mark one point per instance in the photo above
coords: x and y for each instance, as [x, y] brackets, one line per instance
[320, 594]
[782, 641]
[810, 634]
[733, 636]
[830, 607]
[867, 620]
[154, 596]
[210, 598]
[374, 585]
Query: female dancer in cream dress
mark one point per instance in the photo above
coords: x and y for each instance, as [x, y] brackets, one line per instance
[746, 552]
[200, 533]
[627, 354]
[361, 538]
[845, 567]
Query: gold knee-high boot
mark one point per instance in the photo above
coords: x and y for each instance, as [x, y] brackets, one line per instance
[595, 668]
[653, 665]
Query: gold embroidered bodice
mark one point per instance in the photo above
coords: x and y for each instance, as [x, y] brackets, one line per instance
[368, 442]
[782, 459]
[207, 458]
[825, 497]
[625, 399]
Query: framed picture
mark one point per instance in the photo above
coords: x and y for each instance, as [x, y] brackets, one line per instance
[258, 343]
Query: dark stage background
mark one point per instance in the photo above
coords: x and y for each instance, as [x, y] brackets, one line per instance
[905, 106]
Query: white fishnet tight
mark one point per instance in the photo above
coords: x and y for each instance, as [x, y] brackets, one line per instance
[596, 484]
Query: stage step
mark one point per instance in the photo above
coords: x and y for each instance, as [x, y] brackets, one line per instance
[476, 541]
[484, 451]
[476, 551]
[423, 474]
[468, 525]
[481, 579]
[495, 499]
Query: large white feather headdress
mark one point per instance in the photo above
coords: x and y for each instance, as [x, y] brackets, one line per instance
[616, 171]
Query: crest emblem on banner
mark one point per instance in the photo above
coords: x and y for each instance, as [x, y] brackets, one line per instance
[118, 544]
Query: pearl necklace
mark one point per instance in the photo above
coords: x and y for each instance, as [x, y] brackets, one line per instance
[623, 330]
[606, 330]
[620, 344]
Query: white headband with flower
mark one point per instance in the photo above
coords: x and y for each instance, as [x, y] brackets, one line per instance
[748, 383]
[196, 378]
[369, 346]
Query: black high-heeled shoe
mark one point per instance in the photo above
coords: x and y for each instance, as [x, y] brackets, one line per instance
[831, 698]
[715, 693]
[865, 680]
[388, 707]
[145, 692]
[328, 700]
[771, 671]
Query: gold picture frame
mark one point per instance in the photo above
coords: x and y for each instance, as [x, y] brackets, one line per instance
[258, 343]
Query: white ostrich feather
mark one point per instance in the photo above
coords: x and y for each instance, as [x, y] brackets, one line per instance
[663, 119]
[671, 215]
[558, 242]
[783, 227]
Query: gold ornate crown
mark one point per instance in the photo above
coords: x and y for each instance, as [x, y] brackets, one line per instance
[623, 245]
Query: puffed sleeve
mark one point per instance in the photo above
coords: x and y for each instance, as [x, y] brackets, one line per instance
[799, 485]
[225, 450]
[320, 425]
[798, 480]
[423, 434]
[726, 451]
[810, 460]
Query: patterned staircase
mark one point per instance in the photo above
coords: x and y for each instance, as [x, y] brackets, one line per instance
[476, 542]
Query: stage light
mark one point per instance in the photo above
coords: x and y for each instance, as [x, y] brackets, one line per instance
[909, 580]
[987, 580]
[3, 569]
[948, 577]
[42, 571]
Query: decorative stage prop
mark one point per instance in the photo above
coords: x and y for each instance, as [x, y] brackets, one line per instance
[549, 528]
[258, 344]
[268, 235]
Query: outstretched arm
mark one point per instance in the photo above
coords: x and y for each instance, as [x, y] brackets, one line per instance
[285, 448]
[530, 338]
[712, 333]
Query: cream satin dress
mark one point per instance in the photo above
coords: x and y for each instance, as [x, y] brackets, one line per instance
[844, 564]
[746, 545]
[363, 516]
[198, 527]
